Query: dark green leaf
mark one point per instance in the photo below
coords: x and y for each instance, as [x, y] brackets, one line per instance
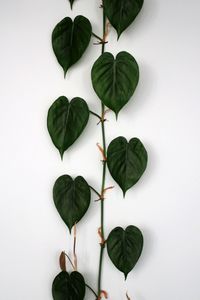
[70, 40]
[126, 161]
[68, 287]
[125, 247]
[71, 198]
[115, 80]
[121, 13]
[66, 121]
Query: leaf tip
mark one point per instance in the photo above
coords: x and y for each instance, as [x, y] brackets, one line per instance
[70, 226]
[118, 34]
[124, 193]
[116, 115]
[61, 154]
[71, 3]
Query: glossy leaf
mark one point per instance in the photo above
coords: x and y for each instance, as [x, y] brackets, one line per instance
[126, 161]
[66, 121]
[71, 198]
[70, 39]
[125, 247]
[115, 79]
[68, 287]
[121, 13]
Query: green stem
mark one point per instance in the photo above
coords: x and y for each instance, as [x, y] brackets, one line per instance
[104, 28]
[102, 245]
[91, 289]
[70, 261]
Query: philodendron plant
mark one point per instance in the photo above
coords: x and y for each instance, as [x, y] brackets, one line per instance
[114, 80]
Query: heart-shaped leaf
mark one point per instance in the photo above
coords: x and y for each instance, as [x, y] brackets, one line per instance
[121, 13]
[125, 247]
[126, 161]
[66, 121]
[70, 39]
[68, 287]
[71, 198]
[115, 80]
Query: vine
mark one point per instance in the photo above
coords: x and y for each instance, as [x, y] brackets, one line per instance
[114, 81]
[102, 244]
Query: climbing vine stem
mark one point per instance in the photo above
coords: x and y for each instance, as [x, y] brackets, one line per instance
[102, 244]
[114, 79]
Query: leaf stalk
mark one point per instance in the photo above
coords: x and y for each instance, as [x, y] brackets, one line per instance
[91, 289]
[95, 114]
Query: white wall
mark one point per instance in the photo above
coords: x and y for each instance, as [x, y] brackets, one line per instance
[164, 114]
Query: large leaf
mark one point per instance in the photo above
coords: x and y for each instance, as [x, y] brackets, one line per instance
[115, 80]
[71, 198]
[70, 40]
[121, 13]
[125, 247]
[126, 161]
[68, 287]
[66, 121]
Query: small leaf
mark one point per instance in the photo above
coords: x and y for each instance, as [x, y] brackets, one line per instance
[124, 247]
[68, 287]
[70, 40]
[121, 13]
[66, 121]
[126, 161]
[71, 198]
[62, 261]
[115, 80]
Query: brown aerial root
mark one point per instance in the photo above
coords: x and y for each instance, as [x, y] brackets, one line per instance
[74, 249]
[103, 193]
[105, 190]
[106, 31]
[102, 240]
[103, 119]
[102, 152]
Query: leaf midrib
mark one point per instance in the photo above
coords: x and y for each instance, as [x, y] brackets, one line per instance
[120, 16]
[126, 159]
[66, 121]
[114, 78]
[72, 34]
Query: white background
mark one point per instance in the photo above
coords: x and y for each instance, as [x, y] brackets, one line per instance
[164, 113]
